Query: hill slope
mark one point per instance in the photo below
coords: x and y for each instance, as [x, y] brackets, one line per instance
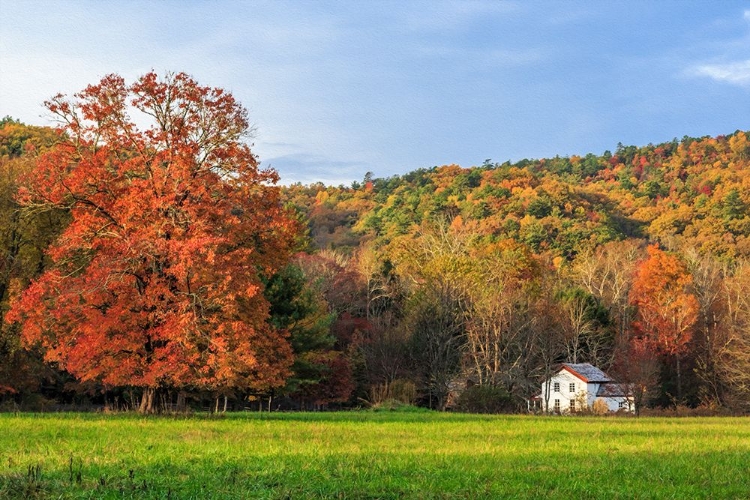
[691, 192]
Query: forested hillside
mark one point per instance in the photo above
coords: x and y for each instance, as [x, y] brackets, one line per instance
[691, 192]
[634, 260]
[462, 288]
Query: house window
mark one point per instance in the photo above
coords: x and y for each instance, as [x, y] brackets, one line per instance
[557, 406]
[572, 387]
[572, 405]
[557, 386]
[622, 404]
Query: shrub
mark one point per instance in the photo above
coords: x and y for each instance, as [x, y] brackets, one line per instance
[600, 407]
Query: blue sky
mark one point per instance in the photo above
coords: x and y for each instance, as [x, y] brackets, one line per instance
[337, 89]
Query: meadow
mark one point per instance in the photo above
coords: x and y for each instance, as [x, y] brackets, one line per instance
[371, 455]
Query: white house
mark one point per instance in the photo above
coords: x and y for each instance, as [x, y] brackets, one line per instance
[576, 385]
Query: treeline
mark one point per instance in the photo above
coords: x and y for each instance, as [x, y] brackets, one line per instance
[464, 288]
[445, 313]
[635, 261]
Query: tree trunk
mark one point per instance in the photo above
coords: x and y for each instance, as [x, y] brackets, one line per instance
[679, 382]
[547, 387]
[131, 398]
[181, 401]
[225, 404]
[147, 400]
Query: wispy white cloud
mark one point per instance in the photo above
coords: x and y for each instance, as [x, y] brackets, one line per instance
[731, 65]
[737, 73]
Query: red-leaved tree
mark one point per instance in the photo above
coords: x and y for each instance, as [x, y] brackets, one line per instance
[156, 281]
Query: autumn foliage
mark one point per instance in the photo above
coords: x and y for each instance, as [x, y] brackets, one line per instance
[157, 279]
[667, 310]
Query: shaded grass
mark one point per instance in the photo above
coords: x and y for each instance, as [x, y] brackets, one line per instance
[371, 455]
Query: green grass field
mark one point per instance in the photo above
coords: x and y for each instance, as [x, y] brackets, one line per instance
[372, 455]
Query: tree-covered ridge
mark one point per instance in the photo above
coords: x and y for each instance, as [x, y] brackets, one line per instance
[692, 192]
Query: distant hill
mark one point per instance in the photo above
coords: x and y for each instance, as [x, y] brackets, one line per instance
[694, 191]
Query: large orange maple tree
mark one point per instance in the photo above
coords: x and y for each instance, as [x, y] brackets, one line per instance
[667, 309]
[157, 280]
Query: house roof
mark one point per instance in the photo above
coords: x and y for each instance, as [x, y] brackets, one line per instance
[612, 390]
[586, 372]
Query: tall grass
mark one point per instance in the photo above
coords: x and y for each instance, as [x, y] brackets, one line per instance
[371, 455]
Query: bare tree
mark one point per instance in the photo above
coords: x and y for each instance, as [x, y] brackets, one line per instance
[497, 334]
[733, 354]
[582, 322]
[607, 274]
[708, 280]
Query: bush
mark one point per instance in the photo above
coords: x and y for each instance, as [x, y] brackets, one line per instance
[484, 399]
[600, 407]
